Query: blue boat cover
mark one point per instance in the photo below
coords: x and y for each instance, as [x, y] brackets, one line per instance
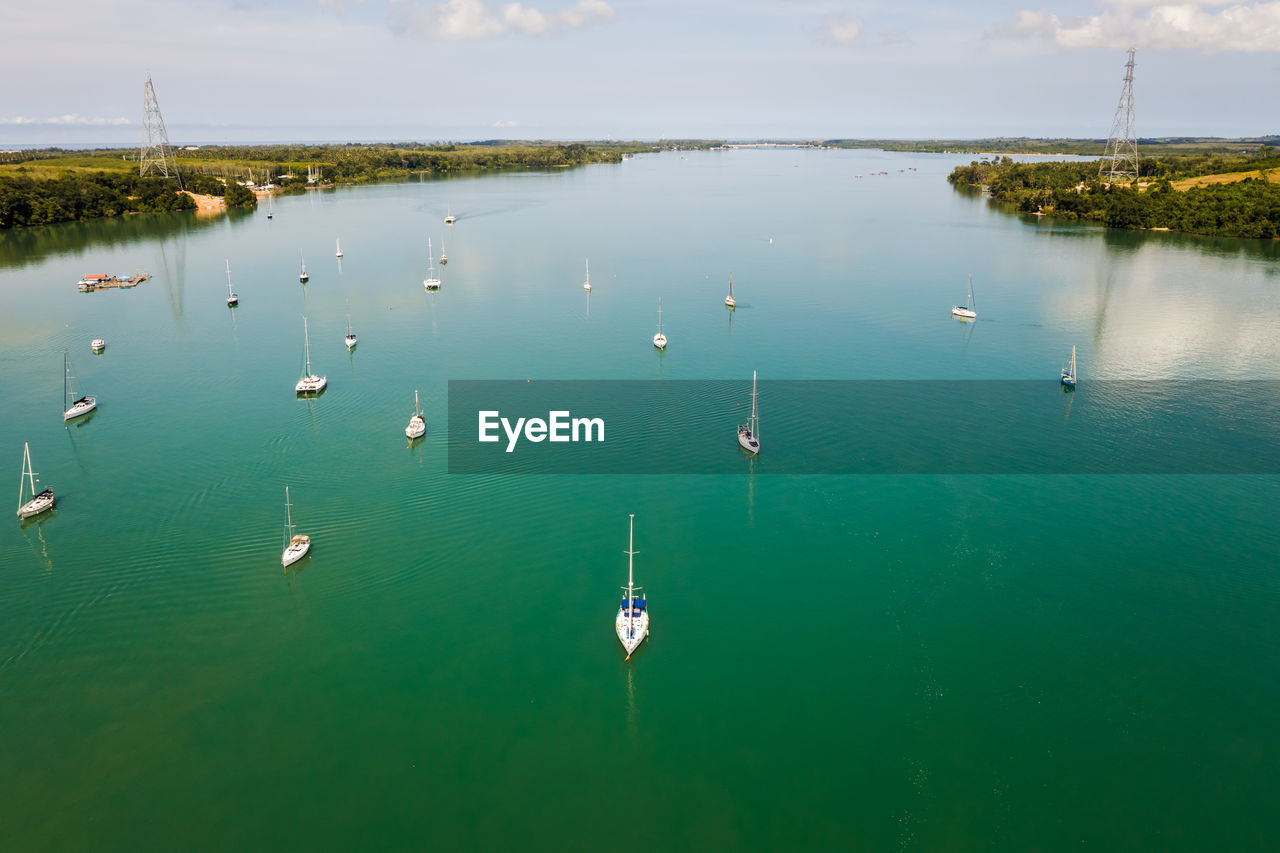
[639, 604]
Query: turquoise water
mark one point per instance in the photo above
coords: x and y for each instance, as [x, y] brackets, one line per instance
[837, 662]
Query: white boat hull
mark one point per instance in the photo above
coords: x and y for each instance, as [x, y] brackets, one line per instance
[749, 442]
[311, 384]
[431, 283]
[83, 406]
[631, 631]
[730, 302]
[40, 503]
[233, 301]
[417, 427]
[298, 548]
[351, 342]
[660, 341]
[98, 345]
[963, 313]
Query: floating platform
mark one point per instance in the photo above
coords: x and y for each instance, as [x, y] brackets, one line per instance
[102, 281]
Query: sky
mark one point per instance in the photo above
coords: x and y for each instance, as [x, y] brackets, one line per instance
[72, 71]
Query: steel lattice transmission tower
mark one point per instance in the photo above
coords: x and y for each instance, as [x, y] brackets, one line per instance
[157, 155]
[1121, 158]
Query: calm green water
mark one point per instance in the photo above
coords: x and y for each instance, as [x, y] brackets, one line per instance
[837, 662]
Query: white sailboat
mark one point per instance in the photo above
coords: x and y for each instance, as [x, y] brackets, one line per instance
[969, 310]
[660, 340]
[302, 276]
[450, 219]
[82, 406]
[338, 242]
[296, 546]
[749, 433]
[309, 383]
[232, 298]
[417, 427]
[632, 621]
[444, 259]
[431, 282]
[1069, 373]
[39, 502]
[586, 285]
[351, 336]
[729, 301]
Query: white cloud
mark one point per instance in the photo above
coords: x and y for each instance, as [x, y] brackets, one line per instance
[531, 21]
[464, 19]
[842, 30]
[68, 119]
[459, 20]
[1150, 24]
[588, 11]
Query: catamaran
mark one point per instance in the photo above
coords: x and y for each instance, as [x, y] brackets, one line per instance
[302, 276]
[338, 242]
[660, 340]
[450, 219]
[309, 383]
[39, 502]
[97, 345]
[232, 298]
[969, 310]
[586, 285]
[632, 621]
[417, 427]
[82, 406]
[1069, 372]
[749, 433]
[431, 282]
[729, 301]
[296, 546]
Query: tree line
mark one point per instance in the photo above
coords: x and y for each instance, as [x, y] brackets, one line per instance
[1244, 208]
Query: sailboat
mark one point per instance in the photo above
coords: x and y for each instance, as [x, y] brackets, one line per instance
[309, 383]
[296, 545]
[444, 259]
[749, 433]
[82, 406]
[969, 310]
[450, 219]
[337, 241]
[417, 427]
[632, 621]
[351, 336]
[660, 340]
[1069, 373]
[431, 282]
[586, 285]
[729, 301]
[232, 298]
[39, 502]
[302, 276]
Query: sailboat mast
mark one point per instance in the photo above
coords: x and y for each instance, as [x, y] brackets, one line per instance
[288, 517]
[731, 284]
[26, 472]
[306, 350]
[631, 583]
[228, 276]
[66, 375]
[755, 419]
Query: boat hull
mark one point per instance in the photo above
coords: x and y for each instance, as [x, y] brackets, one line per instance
[311, 384]
[80, 407]
[660, 341]
[747, 441]
[963, 313]
[417, 427]
[298, 548]
[631, 631]
[38, 504]
[351, 341]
